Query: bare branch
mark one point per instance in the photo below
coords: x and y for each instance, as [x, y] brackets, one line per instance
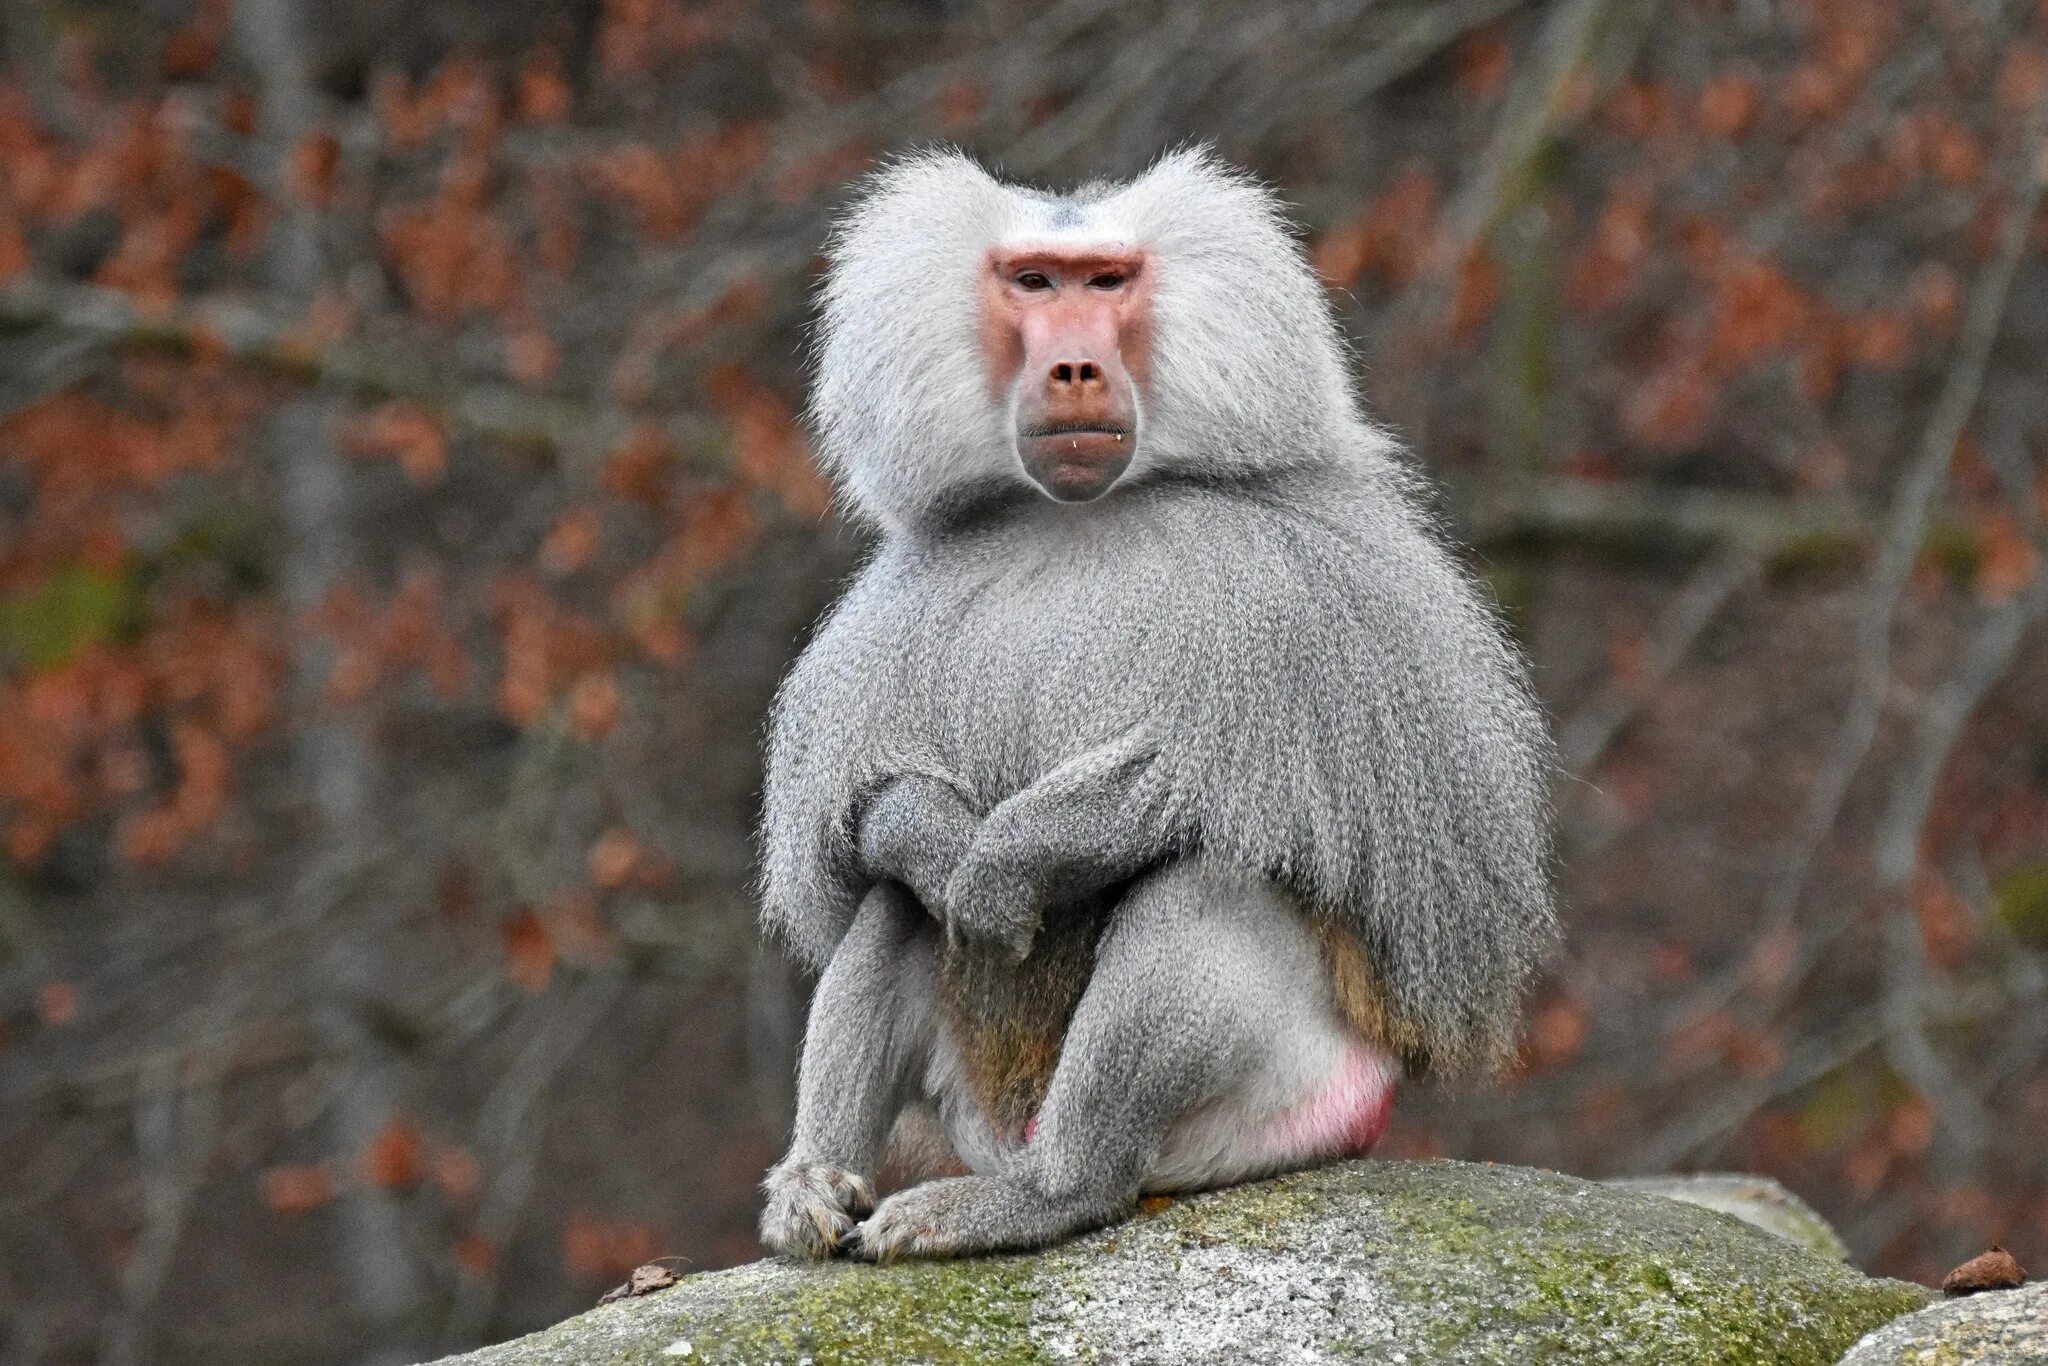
[1906, 527]
[509, 1129]
[266, 338]
[1585, 737]
[174, 1137]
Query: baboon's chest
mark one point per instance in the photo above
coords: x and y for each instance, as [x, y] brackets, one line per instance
[1017, 673]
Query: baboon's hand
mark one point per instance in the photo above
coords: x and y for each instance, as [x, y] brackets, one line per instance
[991, 899]
[811, 1208]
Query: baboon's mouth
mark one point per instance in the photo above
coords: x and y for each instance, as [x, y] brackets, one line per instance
[1045, 429]
[1076, 462]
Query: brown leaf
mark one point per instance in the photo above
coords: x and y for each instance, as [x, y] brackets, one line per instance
[645, 1280]
[1993, 1270]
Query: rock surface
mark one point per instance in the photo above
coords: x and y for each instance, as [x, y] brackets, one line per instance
[1411, 1262]
[1995, 1328]
[1754, 1200]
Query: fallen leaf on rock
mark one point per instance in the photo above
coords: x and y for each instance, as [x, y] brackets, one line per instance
[1993, 1270]
[645, 1280]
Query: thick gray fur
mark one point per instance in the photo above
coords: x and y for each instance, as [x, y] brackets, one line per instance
[1253, 659]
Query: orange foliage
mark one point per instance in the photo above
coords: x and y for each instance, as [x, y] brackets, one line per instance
[1728, 106]
[824, 171]
[2022, 78]
[1605, 270]
[1851, 36]
[545, 646]
[543, 94]
[375, 645]
[571, 542]
[556, 236]
[392, 1157]
[315, 162]
[1557, 1031]
[715, 527]
[1475, 291]
[473, 1253]
[158, 834]
[635, 37]
[1945, 920]
[1756, 309]
[531, 355]
[768, 449]
[78, 450]
[296, 1190]
[959, 106]
[1934, 142]
[665, 192]
[1671, 407]
[1909, 1128]
[68, 733]
[595, 705]
[529, 950]
[458, 96]
[1483, 63]
[454, 1172]
[1390, 239]
[56, 1003]
[616, 857]
[1639, 110]
[637, 469]
[14, 257]
[453, 254]
[2005, 555]
[405, 432]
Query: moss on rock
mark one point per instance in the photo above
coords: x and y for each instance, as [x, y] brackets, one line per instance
[1754, 1200]
[1365, 1261]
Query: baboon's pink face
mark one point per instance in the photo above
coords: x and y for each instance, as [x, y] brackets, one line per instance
[1065, 336]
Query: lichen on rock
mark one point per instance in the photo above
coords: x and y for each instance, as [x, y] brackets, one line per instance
[1995, 1328]
[1363, 1261]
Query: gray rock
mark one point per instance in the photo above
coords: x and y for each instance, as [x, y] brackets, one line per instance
[1755, 1200]
[1397, 1262]
[1994, 1328]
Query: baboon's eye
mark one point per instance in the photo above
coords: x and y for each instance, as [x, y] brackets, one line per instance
[1034, 280]
[1107, 280]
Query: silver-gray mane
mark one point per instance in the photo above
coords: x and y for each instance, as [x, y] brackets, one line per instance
[1248, 366]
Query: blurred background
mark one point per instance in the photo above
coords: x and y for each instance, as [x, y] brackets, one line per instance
[404, 521]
